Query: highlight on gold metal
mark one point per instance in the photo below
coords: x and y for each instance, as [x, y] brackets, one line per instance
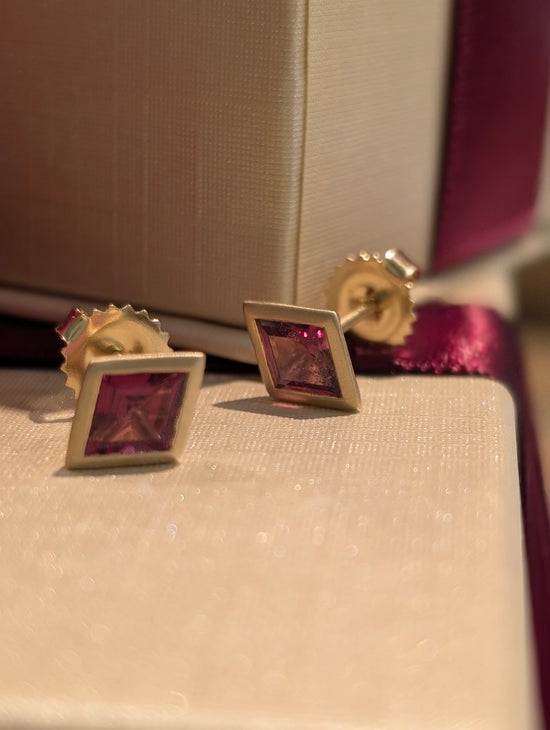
[114, 331]
[135, 410]
[302, 355]
[372, 296]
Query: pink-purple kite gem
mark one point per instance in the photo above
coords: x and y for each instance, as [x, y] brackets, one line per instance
[299, 357]
[136, 413]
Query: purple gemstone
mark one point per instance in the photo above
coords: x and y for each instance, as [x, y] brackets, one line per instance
[299, 357]
[136, 413]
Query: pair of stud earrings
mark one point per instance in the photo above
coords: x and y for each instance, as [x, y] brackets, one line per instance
[136, 396]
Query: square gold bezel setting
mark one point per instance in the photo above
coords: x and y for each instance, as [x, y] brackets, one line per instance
[190, 363]
[350, 398]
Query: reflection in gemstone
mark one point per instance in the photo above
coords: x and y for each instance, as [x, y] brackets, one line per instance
[299, 357]
[136, 413]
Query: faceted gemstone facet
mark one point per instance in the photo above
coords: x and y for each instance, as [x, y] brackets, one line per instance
[299, 357]
[136, 413]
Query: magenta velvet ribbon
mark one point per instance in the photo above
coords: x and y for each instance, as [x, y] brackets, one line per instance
[446, 340]
[469, 340]
[495, 126]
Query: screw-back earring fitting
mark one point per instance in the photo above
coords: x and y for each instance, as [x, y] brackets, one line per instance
[302, 353]
[136, 397]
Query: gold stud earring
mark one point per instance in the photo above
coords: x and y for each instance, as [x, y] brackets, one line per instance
[136, 396]
[302, 353]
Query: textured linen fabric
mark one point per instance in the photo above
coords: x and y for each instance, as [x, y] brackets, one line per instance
[376, 94]
[186, 156]
[300, 568]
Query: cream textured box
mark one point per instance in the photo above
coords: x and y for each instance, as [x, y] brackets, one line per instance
[186, 156]
[300, 569]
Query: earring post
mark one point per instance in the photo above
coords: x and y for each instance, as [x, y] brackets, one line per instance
[375, 303]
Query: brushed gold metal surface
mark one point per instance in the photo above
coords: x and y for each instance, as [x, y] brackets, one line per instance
[372, 296]
[114, 331]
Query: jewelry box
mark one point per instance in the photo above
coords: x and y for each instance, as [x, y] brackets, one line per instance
[186, 156]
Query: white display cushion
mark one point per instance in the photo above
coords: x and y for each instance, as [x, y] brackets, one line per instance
[302, 568]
